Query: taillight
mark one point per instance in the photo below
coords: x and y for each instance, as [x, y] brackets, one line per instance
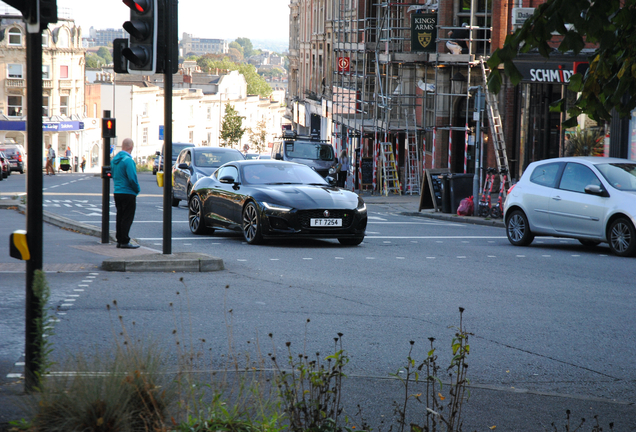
[19, 157]
[511, 188]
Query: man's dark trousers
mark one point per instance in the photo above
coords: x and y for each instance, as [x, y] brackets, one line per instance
[126, 205]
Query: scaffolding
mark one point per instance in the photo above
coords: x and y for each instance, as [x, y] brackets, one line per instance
[383, 92]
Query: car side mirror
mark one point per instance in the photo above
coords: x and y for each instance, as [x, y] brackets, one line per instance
[331, 181]
[182, 166]
[278, 156]
[596, 190]
[227, 179]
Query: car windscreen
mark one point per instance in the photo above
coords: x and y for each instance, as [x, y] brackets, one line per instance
[9, 151]
[309, 150]
[176, 149]
[270, 174]
[620, 175]
[214, 159]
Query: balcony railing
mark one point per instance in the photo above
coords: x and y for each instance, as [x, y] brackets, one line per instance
[15, 83]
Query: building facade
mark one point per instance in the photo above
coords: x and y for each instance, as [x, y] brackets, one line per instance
[63, 107]
[190, 45]
[410, 74]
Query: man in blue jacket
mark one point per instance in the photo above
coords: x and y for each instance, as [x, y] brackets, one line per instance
[124, 171]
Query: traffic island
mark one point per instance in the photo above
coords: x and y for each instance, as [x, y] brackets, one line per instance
[156, 262]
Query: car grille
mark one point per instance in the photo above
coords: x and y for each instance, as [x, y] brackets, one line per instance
[346, 215]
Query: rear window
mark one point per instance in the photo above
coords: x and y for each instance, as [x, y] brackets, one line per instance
[9, 151]
[309, 150]
[546, 174]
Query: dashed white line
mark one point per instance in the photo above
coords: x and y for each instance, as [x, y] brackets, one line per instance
[461, 256]
[399, 258]
[339, 258]
[521, 256]
[78, 290]
[85, 286]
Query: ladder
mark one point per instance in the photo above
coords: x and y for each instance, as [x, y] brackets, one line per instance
[390, 180]
[413, 158]
[494, 118]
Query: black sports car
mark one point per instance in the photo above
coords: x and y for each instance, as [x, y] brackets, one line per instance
[269, 199]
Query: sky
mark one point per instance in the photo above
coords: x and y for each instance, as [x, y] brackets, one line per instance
[216, 19]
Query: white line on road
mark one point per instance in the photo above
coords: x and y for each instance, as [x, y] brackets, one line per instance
[435, 237]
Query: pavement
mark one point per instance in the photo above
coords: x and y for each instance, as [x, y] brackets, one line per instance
[150, 260]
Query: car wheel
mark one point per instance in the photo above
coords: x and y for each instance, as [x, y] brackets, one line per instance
[252, 224]
[175, 202]
[495, 212]
[622, 237]
[195, 217]
[154, 171]
[589, 243]
[21, 171]
[518, 229]
[351, 241]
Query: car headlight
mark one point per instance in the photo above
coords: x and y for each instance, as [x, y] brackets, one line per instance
[332, 171]
[276, 207]
[362, 206]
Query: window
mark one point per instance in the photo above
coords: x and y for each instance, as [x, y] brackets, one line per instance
[15, 36]
[62, 41]
[209, 111]
[545, 175]
[64, 105]
[14, 71]
[191, 136]
[63, 72]
[45, 39]
[46, 72]
[45, 106]
[144, 137]
[577, 177]
[14, 105]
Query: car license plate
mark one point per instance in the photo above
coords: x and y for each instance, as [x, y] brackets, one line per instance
[15, 164]
[323, 222]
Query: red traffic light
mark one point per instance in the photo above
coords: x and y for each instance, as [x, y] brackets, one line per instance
[141, 6]
[108, 128]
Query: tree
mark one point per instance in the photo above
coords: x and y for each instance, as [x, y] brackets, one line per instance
[231, 130]
[104, 53]
[235, 55]
[608, 25]
[237, 46]
[258, 136]
[93, 61]
[255, 83]
[248, 48]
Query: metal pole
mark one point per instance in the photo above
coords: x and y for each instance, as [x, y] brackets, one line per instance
[476, 177]
[34, 212]
[167, 162]
[105, 187]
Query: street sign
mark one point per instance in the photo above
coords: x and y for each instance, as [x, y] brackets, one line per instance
[161, 132]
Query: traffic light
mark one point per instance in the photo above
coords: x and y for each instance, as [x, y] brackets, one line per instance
[37, 13]
[107, 172]
[108, 128]
[142, 27]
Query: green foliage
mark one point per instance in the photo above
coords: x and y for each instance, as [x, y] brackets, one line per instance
[231, 130]
[104, 53]
[248, 48]
[235, 55]
[274, 72]
[256, 84]
[258, 136]
[43, 327]
[236, 46]
[94, 61]
[588, 142]
[610, 81]
[443, 406]
[311, 392]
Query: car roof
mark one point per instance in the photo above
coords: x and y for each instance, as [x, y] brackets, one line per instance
[215, 149]
[265, 162]
[594, 160]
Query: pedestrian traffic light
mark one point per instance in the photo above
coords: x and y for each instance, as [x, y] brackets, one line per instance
[108, 128]
[107, 173]
[142, 27]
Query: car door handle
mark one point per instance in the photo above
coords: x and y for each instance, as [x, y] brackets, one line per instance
[556, 198]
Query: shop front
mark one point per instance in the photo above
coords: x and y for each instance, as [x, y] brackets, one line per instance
[539, 134]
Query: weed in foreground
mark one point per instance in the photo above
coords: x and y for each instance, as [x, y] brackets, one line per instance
[573, 427]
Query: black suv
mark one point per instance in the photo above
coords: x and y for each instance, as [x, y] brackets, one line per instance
[314, 153]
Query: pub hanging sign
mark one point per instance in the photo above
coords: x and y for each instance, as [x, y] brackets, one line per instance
[423, 32]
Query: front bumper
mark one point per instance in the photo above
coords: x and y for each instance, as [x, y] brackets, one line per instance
[296, 223]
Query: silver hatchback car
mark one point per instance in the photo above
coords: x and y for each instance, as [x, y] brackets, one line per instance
[592, 199]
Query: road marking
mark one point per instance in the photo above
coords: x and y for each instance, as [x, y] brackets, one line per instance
[274, 259]
[461, 256]
[242, 260]
[14, 375]
[185, 238]
[88, 280]
[78, 290]
[546, 256]
[430, 257]
[67, 305]
[73, 295]
[436, 237]
[370, 258]
[375, 218]
[307, 259]
[576, 256]
[521, 256]
[340, 258]
[84, 286]
[386, 242]
[70, 300]
[399, 258]
[492, 256]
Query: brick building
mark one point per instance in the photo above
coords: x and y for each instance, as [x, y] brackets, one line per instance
[366, 72]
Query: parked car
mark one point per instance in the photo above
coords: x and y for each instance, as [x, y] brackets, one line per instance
[155, 164]
[591, 199]
[5, 166]
[305, 150]
[272, 199]
[264, 156]
[16, 155]
[249, 156]
[194, 163]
